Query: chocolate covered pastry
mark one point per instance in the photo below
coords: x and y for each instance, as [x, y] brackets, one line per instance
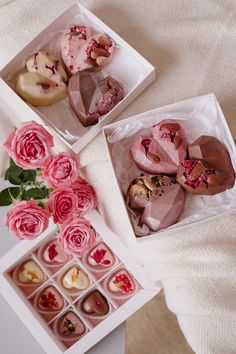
[209, 169]
[90, 99]
[157, 201]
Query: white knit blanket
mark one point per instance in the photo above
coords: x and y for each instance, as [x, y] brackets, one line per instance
[192, 44]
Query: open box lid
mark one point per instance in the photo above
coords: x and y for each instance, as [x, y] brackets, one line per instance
[128, 66]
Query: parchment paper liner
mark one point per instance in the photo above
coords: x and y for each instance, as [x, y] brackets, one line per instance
[68, 339]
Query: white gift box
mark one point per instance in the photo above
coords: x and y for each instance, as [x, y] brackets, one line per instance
[13, 111]
[127, 66]
[197, 116]
[41, 329]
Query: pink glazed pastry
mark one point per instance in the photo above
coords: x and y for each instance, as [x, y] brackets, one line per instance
[73, 39]
[161, 152]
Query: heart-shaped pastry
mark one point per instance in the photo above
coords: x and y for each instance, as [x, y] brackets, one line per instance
[69, 326]
[121, 283]
[157, 202]
[95, 304]
[161, 152]
[54, 254]
[75, 279]
[101, 257]
[47, 65]
[45, 81]
[73, 39]
[90, 99]
[96, 53]
[30, 273]
[49, 300]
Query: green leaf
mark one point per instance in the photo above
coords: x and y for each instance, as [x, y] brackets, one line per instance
[35, 193]
[7, 194]
[29, 175]
[41, 204]
[16, 175]
[12, 162]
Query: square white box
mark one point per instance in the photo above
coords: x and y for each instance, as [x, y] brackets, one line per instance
[198, 116]
[36, 324]
[128, 66]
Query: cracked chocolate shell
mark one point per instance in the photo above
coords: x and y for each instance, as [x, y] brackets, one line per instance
[90, 99]
[209, 169]
[157, 201]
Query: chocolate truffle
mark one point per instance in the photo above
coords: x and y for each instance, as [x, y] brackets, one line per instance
[121, 283]
[161, 152]
[209, 170]
[70, 326]
[30, 273]
[75, 279]
[90, 99]
[95, 304]
[100, 257]
[49, 300]
[157, 201]
[53, 254]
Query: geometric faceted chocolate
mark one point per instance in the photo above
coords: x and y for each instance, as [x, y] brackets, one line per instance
[157, 201]
[90, 99]
[211, 150]
[200, 177]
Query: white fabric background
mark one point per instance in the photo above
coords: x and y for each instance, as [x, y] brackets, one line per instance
[192, 44]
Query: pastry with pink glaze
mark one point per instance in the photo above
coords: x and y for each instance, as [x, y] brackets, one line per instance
[162, 152]
[157, 201]
[73, 39]
[96, 53]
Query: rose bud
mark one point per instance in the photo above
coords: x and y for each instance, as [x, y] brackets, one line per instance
[76, 236]
[29, 146]
[86, 196]
[62, 203]
[27, 220]
[61, 170]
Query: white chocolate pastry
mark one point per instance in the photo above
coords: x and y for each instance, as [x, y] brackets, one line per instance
[30, 273]
[73, 38]
[38, 90]
[75, 278]
[47, 65]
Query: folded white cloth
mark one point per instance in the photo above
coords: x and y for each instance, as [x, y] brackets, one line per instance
[192, 44]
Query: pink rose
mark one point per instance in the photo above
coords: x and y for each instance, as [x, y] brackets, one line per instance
[75, 237]
[61, 170]
[29, 146]
[61, 204]
[27, 220]
[85, 193]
